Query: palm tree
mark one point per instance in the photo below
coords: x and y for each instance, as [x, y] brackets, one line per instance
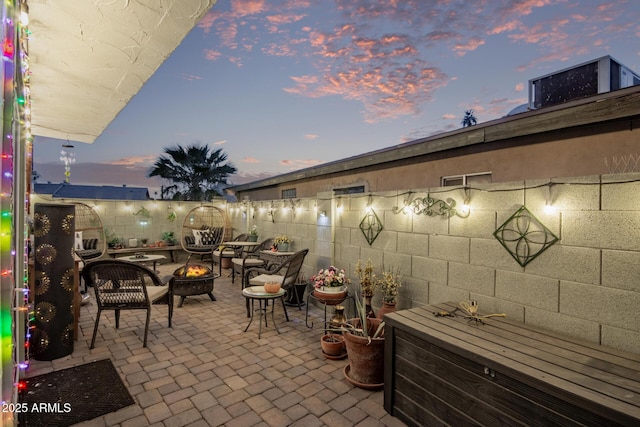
[469, 119]
[196, 173]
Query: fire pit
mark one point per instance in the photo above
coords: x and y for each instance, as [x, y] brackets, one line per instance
[193, 279]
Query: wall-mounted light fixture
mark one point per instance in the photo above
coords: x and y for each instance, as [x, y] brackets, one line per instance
[368, 208]
[465, 209]
[549, 208]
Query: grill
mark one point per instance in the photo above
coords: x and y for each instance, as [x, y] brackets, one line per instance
[193, 279]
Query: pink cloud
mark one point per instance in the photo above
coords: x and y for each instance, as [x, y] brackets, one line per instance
[191, 77]
[471, 45]
[297, 164]
[222, 142]
[449, 116]
[284, 19]
[207, 22]
[250, 160]
[311, 136]
[519, 87]
[134, 160]
[212, 55]
[247, 7]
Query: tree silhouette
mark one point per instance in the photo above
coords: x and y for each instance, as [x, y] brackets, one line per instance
[196, 173]
[469, 119]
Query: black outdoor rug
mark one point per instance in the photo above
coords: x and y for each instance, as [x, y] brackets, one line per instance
[73, 395]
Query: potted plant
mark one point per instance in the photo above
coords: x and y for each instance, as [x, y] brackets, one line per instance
[144, 241]
[368, 282]
[167, 237]
[330, 285]
[389, 284]
[364, 340]
[253, 234]
[333, 346]
[282, 243]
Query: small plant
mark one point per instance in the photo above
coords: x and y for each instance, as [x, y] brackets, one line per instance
[281, 239]
[330, 277]
[168, 236]
[389, 284]
[367, 278]
[254, 230]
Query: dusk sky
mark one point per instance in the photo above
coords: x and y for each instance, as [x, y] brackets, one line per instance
[282, 85]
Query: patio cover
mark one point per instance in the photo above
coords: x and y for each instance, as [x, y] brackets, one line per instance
[89, 58]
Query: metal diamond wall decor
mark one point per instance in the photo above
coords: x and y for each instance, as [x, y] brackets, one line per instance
[370, 226]
[524, 236]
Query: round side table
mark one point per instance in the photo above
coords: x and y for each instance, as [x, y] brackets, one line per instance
[257, 293]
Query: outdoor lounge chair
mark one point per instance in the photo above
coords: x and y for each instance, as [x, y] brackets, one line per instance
[122, 285]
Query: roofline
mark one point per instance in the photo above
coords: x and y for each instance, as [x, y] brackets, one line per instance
[566, 115]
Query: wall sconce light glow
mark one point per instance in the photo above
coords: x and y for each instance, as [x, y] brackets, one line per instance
[549, 209]
[465, 209]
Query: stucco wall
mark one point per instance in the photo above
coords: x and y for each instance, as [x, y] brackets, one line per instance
[585, 285]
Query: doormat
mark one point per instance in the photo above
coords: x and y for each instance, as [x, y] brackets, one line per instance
[73, 395]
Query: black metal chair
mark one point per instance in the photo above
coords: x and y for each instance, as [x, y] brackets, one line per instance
[122, 285]
[249, 259]
[285, 273]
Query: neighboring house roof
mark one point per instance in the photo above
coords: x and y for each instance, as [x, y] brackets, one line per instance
[105, 192]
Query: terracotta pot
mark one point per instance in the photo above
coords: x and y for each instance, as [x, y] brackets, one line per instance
[366, 359]
[226, 263]
[387, 307]
[330, 296]
[332, 344]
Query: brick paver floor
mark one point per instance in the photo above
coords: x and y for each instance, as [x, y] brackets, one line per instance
[206, 371]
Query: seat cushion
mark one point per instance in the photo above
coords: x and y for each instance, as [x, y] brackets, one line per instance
[157, 292]
[264, 278]
[226, 253]
[248, 262]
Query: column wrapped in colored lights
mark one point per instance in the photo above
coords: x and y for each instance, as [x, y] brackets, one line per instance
[7, 297]
[14, 187]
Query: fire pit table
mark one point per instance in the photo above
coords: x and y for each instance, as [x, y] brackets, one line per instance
[193, 279]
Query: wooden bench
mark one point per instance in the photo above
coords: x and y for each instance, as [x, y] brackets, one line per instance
[171, 249]
[449, 371]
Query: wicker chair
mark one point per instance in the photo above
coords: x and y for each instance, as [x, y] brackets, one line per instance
[89, 232]
[203, 229]
[286, 273]
[122, 285]
[249, 259]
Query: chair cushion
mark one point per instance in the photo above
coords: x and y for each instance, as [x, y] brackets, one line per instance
[264, 278]
[248, 262]
[227, 253]
[156, 292]
[197, 236]
[89, 243]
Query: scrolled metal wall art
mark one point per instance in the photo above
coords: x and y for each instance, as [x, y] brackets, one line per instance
[431, 206]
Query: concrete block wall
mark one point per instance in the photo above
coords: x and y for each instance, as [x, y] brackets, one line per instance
[585, 285]
[123, 218]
